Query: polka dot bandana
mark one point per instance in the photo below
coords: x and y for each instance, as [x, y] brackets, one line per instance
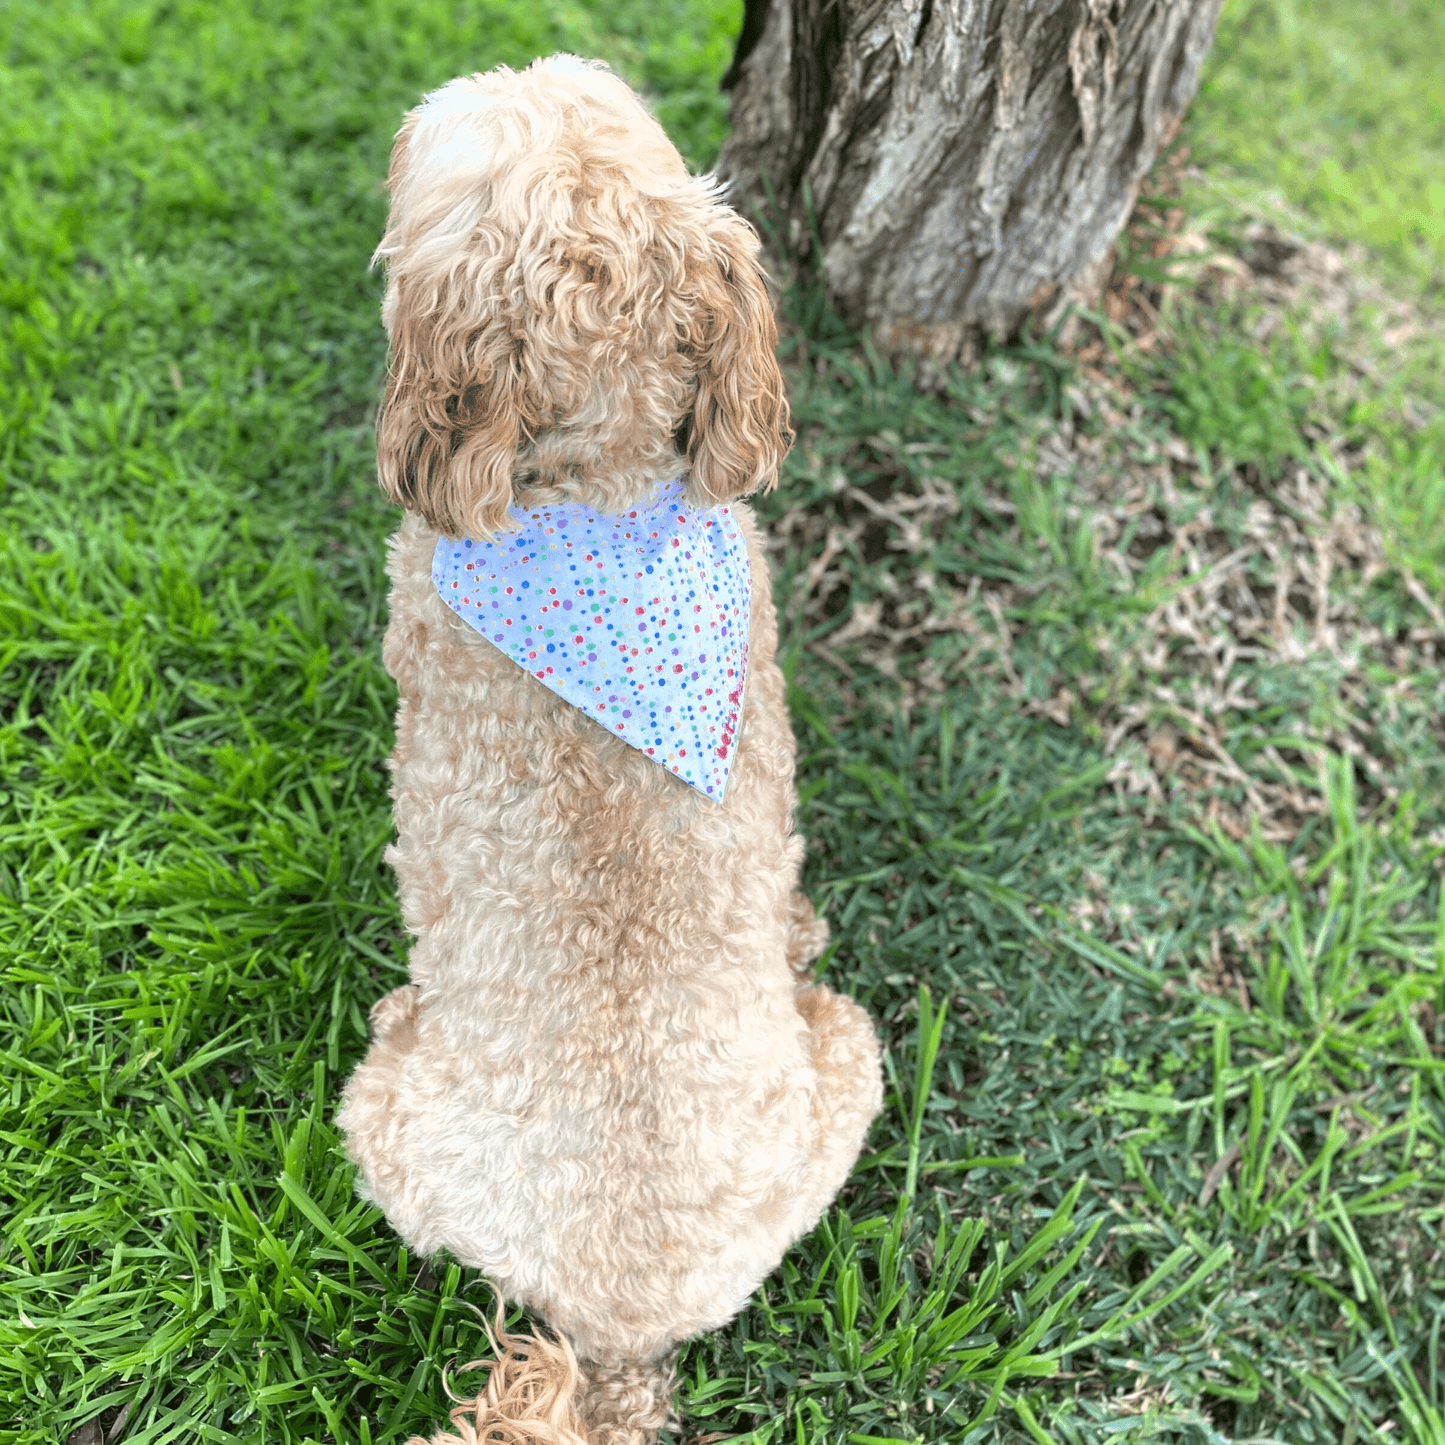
[639, 619]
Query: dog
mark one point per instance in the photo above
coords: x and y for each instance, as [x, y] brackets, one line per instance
[612, 1083]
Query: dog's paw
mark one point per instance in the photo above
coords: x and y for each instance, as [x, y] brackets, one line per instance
[394, 1010]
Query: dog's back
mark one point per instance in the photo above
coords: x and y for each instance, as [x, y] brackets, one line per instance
[609, 1043]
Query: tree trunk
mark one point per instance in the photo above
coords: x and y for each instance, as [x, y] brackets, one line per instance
[962, 164]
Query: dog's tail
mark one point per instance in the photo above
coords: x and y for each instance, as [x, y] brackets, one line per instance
[538, 1393]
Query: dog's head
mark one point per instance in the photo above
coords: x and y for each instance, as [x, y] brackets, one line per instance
[571, 313]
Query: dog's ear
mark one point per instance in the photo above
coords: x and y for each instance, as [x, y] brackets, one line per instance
[737, 432]
[453, 415]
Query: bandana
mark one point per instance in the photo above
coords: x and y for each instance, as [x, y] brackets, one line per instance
[639, 619]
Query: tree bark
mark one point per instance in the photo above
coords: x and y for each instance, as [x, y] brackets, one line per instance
[957, 165]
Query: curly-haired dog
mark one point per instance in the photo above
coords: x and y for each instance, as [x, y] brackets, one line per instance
[612, 1083]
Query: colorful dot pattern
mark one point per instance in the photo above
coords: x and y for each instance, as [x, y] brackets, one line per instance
[639, 619]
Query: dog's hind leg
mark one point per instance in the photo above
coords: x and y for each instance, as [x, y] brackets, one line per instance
[807, 937]
[850, 1089]
[368, 1114]
[392, 1011]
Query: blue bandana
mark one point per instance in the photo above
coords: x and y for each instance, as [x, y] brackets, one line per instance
[639, 619]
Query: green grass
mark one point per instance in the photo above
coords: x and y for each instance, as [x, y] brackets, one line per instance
[1335, 110]
[1145, 900]
[1327, 119]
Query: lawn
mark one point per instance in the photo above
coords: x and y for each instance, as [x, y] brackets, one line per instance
[1117, 672]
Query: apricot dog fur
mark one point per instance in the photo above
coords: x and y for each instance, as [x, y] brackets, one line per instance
[612, 1083]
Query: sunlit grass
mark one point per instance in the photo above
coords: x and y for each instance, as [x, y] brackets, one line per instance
[1338, 110]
